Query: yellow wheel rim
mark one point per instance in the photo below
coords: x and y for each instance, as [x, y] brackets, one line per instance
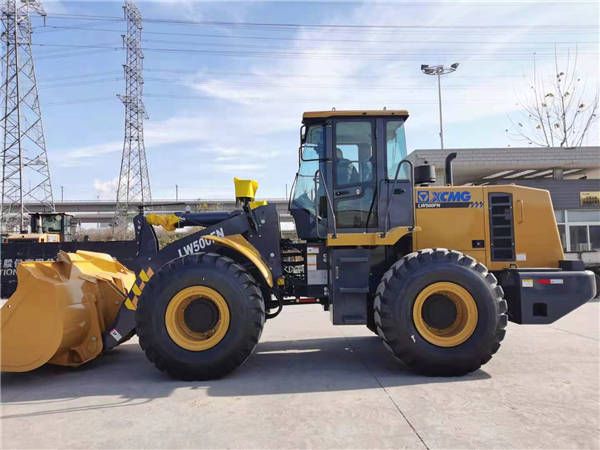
[463, 318]
[179, 322]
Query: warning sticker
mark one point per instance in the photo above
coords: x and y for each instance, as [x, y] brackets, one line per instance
[116, 335]
[527, 282]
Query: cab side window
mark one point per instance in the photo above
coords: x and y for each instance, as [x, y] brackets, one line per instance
[395, 149]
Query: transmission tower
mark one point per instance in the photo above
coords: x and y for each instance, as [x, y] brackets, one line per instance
[134, 182]
[25, 173]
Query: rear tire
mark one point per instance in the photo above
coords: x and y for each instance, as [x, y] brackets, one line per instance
[371, 326]
[462, 343]
[213, 337]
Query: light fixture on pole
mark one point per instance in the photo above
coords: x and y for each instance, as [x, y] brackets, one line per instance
[439, 71]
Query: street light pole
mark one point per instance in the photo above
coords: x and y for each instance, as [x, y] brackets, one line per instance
[440, 107]
[439, 71]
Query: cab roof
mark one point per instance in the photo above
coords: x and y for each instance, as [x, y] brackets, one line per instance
[355, 113]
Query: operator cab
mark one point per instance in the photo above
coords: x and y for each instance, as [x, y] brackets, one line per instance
[57, 224]
[352, 175]
[45, 227]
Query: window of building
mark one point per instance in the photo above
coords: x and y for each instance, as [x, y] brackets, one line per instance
[563, 236]
[579, 230]
[583, 216]
[578, 237]
[595, 237]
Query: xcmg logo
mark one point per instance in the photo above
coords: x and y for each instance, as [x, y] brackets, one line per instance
[444, 196]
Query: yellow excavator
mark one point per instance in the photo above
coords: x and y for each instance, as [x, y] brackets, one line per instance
[435, 271]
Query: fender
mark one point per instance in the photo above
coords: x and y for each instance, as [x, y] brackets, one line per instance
[238, 243]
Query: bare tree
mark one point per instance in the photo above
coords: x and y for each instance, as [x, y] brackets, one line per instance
[555, 112]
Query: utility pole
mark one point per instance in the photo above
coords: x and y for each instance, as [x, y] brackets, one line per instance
[176, 192]
[134, 181]
[439, 71]
[25, 172]
[62, 193]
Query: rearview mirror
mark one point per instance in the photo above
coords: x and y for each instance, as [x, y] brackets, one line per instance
[302, 134]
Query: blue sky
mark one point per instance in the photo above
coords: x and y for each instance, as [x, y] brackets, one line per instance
[230, 103]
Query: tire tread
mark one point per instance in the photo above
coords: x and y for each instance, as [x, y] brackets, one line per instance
[386, 297]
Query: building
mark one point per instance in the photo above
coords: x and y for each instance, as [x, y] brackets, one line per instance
[571, 175]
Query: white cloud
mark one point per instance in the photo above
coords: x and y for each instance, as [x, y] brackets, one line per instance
[81, 156]
[106, 189]
[249, 124]
[487, 72]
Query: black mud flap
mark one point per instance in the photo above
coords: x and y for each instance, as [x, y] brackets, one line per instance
[542, 296]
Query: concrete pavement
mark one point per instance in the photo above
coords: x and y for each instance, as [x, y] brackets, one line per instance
[312, 385]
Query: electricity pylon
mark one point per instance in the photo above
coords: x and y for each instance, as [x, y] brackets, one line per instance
[134, 181]
[25, 172]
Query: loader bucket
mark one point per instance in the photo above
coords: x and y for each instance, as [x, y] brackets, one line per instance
[60, 310]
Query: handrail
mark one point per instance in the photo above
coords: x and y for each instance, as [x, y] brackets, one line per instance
[289, 199]
[318, 174]
[391, 193]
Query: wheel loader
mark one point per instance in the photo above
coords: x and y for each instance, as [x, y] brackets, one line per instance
[435, 271]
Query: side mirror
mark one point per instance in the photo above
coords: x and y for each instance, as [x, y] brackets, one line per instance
[302, 134]
[425, 175]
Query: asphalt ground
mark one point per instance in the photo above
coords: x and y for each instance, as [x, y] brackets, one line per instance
[312, 385]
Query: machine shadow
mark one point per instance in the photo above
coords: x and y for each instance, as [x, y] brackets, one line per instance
[276, 367]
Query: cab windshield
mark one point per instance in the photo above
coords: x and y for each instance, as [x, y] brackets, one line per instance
[52, 223]
[312, 153]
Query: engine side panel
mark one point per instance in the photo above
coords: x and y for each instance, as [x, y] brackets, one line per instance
[452, 217]
[466, 219]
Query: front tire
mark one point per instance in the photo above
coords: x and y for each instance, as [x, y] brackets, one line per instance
[200, 317]
[440, 312]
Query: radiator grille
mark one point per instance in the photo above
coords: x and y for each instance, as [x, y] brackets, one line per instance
[501, 227]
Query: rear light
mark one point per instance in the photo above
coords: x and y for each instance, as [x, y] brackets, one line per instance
[548, 281]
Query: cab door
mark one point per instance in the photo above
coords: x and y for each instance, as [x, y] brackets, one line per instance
[354, 175]
[396, 204]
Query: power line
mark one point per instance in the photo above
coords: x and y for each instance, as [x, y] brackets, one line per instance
[72, 53]
[299, 99]
[80, 75]
[541, 27]
[527, 47]
[252, 84]
[318, 55]
[80, 82]
[297, 75]
[80, 101]
[299, 38]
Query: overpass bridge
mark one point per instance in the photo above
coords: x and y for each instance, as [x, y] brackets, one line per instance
[103, 211]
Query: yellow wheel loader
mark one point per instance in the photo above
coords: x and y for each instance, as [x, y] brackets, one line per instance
[435, 271]
[45, 227]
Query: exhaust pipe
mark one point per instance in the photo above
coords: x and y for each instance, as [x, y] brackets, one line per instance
[449, 175]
